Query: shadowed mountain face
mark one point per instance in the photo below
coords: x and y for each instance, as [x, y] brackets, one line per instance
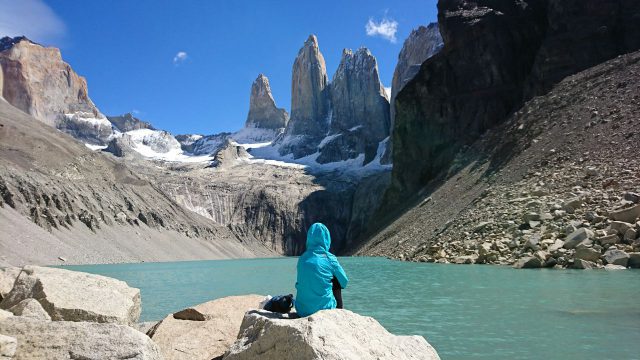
[451, 142]
[496, 54]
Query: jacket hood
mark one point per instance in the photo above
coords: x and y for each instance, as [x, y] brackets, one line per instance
[318, 238]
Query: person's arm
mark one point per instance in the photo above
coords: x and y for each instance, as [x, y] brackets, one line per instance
[339, 273]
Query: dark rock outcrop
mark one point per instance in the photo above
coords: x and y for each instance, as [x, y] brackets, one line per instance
[263, 112]
[422, 43]
[496, 53]
[360, 110]
[128, 122]
[310, 108]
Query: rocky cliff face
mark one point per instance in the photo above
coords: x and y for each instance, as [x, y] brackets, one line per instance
[495, 53]
[38, 82]
[422, 43]
[263, 112]
[360, 109]
[128, 122]
[310, 109]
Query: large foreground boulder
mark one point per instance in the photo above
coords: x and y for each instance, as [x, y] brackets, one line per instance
[77, 340]
[76, 296]
[328, 334]
[205, 331]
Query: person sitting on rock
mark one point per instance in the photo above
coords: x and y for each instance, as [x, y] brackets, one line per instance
[320, 276]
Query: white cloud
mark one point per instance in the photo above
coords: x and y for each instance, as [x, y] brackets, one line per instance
[388, 91]
[31, 18]
[385, 28]
[180, 57]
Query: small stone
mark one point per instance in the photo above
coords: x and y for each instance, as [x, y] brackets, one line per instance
[620, 227]
[628, 215]
[632, 197]
[481, 226]
[571, 205]
[532, 243]
[608, 240]
[588, 254]
[530, 262]
[583, 264]
[630, 235]
[634, 260]
[614, 267]
[558, 244]
[577, 237]
[531, 217]
[591, 171]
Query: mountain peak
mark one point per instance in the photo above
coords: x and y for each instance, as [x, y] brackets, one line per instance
[8, 42]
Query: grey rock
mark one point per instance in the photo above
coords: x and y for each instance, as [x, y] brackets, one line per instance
[571, 205]
[327, 334]
[616, 257]
[30, 308]
[529, 262]
[558, 244]
[229, 155]
[628, 215]
[588, 254]
[630, 235]
[614, 267]
[77, 340]
[620, 227]
[634, 260]
[263, 112]
[577, 237]
[128, 122]
[76, 296]
[632, 197]
[608, 240]
[421, 44]
[584, 264]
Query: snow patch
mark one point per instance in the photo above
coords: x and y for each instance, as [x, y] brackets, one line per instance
[80, 116]
[95, 147]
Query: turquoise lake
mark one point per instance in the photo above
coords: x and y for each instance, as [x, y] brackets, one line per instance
[464, 311]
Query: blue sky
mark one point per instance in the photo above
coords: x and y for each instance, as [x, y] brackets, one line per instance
[187, 66]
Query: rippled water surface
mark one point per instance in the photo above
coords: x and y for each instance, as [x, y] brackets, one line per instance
[464, 311]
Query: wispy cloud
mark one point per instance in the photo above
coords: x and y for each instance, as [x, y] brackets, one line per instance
[32, 18]
[385, 28]
[180, 57]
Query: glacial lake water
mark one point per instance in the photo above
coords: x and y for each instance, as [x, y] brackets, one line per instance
[464, 311]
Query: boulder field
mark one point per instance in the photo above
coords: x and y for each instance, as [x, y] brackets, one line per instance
[51, 313]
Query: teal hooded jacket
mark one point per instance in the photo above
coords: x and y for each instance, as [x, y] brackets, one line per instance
[316, 268]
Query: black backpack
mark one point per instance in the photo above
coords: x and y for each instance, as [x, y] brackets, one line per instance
[280, 304]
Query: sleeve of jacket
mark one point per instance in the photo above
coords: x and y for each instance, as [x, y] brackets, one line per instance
[339, 273]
